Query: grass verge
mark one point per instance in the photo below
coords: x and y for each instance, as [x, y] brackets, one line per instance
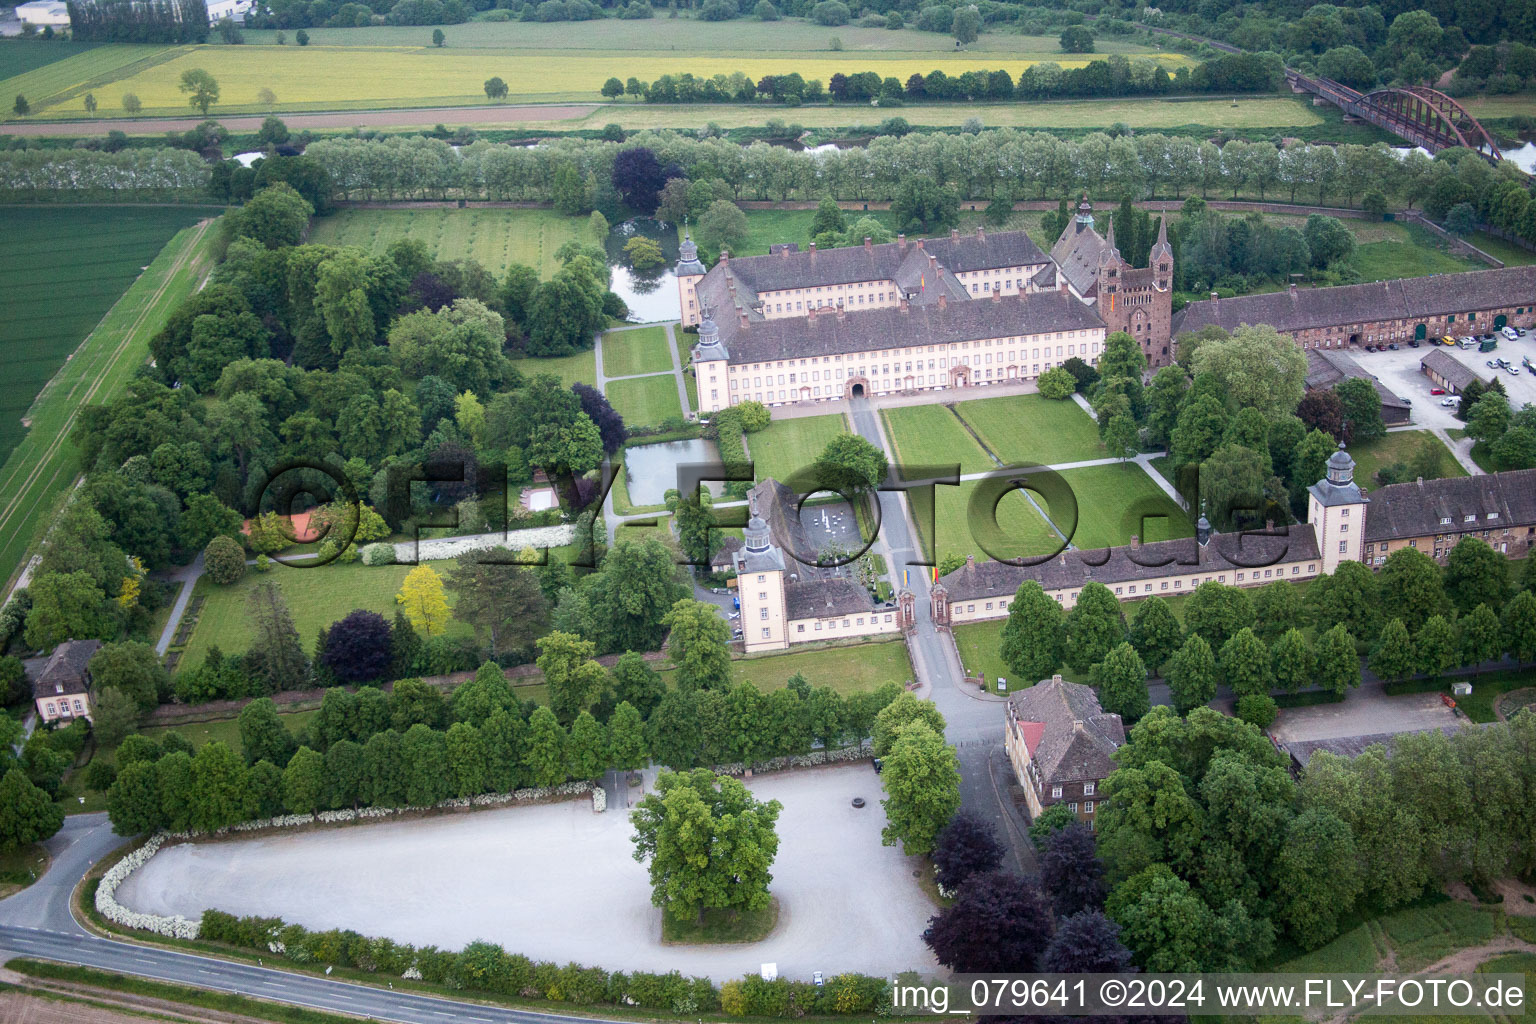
[721, 926]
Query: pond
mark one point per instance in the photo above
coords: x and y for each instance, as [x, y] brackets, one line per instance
[651, 470]
[651, 298]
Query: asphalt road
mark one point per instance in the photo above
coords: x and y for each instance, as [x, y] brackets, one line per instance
[36, 922]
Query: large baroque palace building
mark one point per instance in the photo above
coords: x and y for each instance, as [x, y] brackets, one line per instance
[927, 315]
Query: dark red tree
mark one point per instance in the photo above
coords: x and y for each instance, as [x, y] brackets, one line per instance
[1070, 871]
[1086, 943]
[999, 923]
[639, 177]
[966, 846]
[1322, 410]
[609, 423]
[357, 648]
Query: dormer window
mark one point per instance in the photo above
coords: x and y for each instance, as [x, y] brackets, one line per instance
[1445, 520]
[1470, 518]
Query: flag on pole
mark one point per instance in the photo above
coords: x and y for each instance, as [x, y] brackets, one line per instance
[906, 577]
[935, 570]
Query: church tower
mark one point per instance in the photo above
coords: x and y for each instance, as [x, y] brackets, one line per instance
[760, 589]
[689, 273]
[1336, 512]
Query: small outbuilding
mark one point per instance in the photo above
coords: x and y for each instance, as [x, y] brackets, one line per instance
[49, 13]
[62, 690]
[1447, 371]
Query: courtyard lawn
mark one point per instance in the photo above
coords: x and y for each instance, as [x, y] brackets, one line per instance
[851, 669]
[931, 435]
[979, 644]
[642, 350]
[788, 445]
[579, 367]
[1111, 504]
[645, 401]
[1023, 429]
[1398, 446]
[493, 238]
[962, 531]
[683, 344]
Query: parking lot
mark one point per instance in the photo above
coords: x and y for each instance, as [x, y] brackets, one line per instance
[1400, 372]
[558, 882]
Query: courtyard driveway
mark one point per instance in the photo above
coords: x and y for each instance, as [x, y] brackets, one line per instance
[1366, 711]
[557, 882]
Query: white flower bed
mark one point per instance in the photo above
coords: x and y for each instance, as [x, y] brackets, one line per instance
[179, 927]
[815, 758]
[599, 799]
[452, 547]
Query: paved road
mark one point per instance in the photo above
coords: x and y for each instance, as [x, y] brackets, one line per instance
[36, 922]
[399, 118]
[974, 721]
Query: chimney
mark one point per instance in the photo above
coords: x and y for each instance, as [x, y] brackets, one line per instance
[813, 248]
[744, 322]
[943, 302]
[725, 257]
[970, 561]
[784, 251]
[1135, 542]
[919, 243]
[1216, 300]
[1293, 289]
[840, 313]
[901, 242]
[867, 243]
[954, 234]
[1061, 285]
[997, 295]
[906, 307]
[981, 233]
[1056, 678]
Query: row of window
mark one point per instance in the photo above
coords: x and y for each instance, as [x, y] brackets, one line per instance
[63, 708]
[1131, 591]
[874, 620]
[953, 346]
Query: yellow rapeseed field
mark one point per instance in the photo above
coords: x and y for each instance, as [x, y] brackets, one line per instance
[353, 77]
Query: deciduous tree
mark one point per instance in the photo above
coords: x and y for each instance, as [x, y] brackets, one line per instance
[921, 776]
[998, 922]
[965, 847]
[1192, 677]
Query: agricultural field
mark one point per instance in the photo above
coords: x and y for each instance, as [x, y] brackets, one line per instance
[628, 353]
[645, 401]
[19, 56]
[493, 238]
[582, 366]
[58, 87]
[931, 435]
[687, 35]
[790, 445]
[91, 255]
[1029, 429]
[318, 77]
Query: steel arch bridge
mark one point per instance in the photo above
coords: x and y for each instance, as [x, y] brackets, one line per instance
[1425, 117]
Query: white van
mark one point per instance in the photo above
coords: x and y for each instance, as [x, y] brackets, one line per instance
[1511, 333]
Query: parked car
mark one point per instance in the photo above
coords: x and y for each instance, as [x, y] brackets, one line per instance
[1514, 370]
[1393, 346]
[1511, 333]
[1441, 391]
[1493, 365]
[818, 979]
[1413, 342]
[1449, 403]
[1370, 348]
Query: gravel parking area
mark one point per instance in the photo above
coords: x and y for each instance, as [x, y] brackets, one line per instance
[558, 882]
[1400, 372]
[1363, 712]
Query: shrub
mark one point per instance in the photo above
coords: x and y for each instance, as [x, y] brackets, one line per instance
[378, 554]
[1057, 383]
[224, 561]
[830, 12]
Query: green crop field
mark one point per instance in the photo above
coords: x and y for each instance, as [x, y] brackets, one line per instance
[579, 367]
[19, 56]
[62, 84]
[644, 350]
[319, 77]
[645, 401]
[492, 238]
[1030, 429]
[931, 435]
[787, 446]
[87, 256]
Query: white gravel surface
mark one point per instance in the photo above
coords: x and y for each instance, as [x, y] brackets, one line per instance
[558, 882]
[451, 547]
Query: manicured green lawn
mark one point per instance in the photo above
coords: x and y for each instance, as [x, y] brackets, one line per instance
[960, 530]
[790, 445]
[645, 401]
[684, 345]
[979, 644]
[1512, 255]
[1398, 446]
[1111, 504]
[579, 367]
[316, 597]
[643, 350]
[493, 238]
[931, 435]
[1031, 429]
